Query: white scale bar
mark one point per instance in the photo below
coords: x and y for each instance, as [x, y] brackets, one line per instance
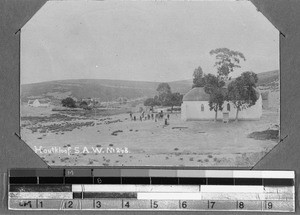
[170, 196]
[263, 174]
[41, 195]
[231, 189]
[135, 188]
[216, 196]
[168, 188]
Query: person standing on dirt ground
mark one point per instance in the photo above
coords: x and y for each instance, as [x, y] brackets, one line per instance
[166, 121]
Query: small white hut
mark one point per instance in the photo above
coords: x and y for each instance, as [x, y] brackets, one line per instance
[38, 103]
[195, 106]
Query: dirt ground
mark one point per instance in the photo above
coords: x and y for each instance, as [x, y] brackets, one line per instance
[119, 141]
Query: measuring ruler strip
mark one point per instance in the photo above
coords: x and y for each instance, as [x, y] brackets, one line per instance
[154, 189]
[154, 204]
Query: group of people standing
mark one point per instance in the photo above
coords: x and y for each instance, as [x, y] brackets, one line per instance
[151, 116]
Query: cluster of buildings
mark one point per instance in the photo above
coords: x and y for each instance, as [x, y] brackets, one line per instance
[195, 106]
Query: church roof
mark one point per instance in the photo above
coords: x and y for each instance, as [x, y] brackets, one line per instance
[196, 94]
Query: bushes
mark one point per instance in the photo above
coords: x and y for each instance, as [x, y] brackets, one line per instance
[68, 102]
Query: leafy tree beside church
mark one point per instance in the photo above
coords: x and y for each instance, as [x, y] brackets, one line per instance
[214, 87]
[242, 91]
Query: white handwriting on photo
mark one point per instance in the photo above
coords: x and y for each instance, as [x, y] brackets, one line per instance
[80, 150]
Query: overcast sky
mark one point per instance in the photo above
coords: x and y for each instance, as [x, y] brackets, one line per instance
[143, 41]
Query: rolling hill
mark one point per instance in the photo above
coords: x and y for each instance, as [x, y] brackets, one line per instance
[105, 90]
[266, 78]
[110, 90]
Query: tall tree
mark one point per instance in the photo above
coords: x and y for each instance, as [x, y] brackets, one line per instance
[226, 61]
[198, 80]
[164, 90]
[242, 92]
[173, 99]
[214, 87]
[151, 102]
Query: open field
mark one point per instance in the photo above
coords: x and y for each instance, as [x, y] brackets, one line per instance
[113, 139]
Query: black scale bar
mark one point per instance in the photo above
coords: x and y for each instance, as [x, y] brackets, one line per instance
[107, 180]
[278, 182]
[220, 181]
[248, 181]
[23, 180]
[98, 195]
[79, 180]
[51, 180]
[164, 181]
[136, 180]
[152, 180]
[192, 181]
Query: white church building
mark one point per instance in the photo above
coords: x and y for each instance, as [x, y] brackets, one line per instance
[195, 107]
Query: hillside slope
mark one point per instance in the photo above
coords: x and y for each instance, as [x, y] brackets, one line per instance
[106, 90]
[109, 90]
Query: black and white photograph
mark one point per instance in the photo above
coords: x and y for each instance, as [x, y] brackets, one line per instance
[150, 83]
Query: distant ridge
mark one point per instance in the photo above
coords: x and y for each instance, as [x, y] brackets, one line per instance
[268, 77]
[104, 89]
[109, 90]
